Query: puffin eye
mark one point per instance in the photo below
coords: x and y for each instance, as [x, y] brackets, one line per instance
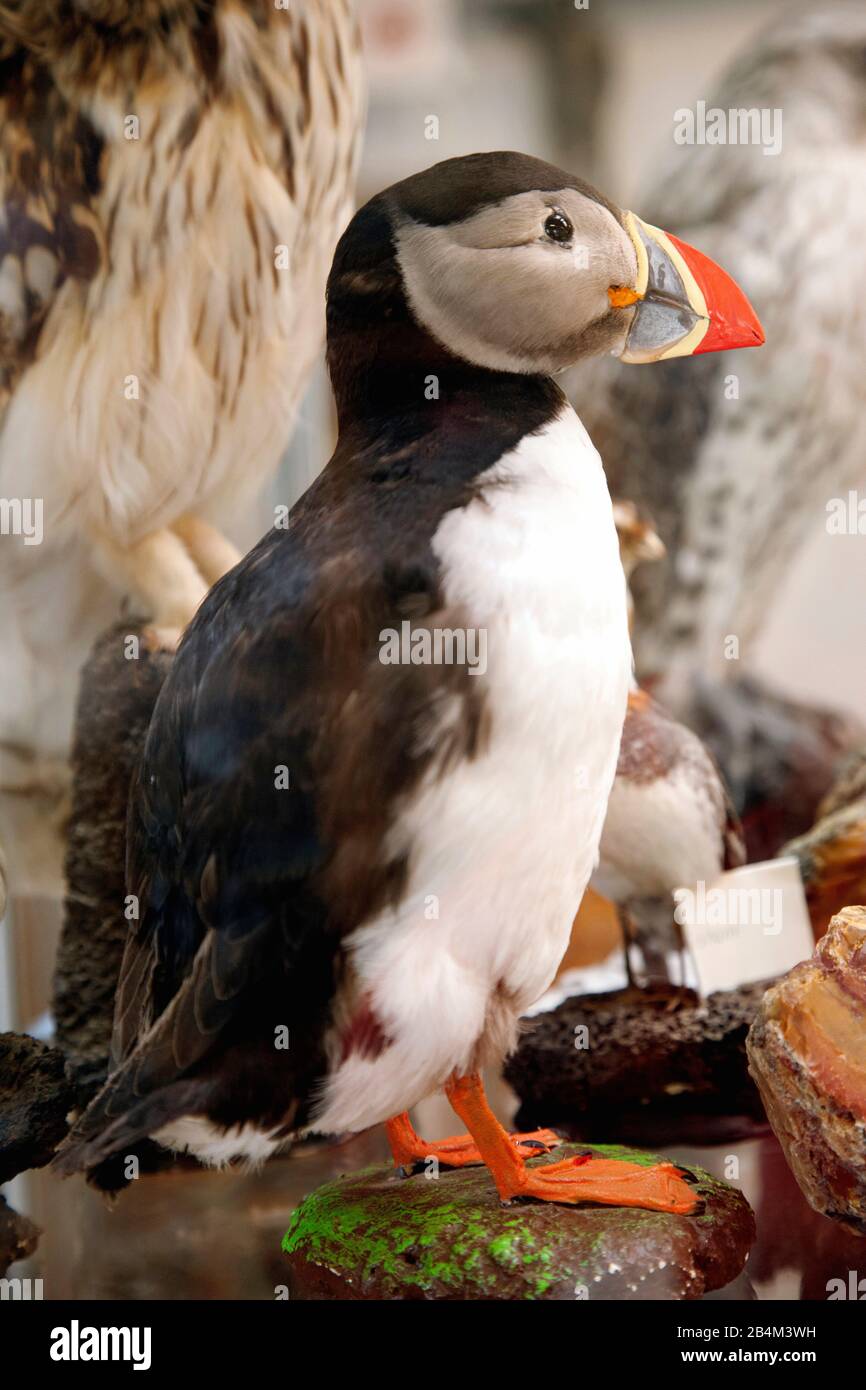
[558, 227]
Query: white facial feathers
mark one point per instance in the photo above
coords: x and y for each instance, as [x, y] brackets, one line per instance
[496, 290]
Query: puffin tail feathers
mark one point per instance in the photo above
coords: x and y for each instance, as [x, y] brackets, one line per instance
[96, 1137]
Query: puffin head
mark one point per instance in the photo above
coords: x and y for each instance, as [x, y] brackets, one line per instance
[513, 265]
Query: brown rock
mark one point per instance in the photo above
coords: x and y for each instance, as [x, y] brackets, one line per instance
[115, 702]
[35, 1098]
[18, 1237]
[374, 1235]
[807, 1053]
[629, 1058]
[832, 854]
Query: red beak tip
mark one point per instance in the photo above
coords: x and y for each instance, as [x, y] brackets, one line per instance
[733, 321]
[723, 337]
[749, 335]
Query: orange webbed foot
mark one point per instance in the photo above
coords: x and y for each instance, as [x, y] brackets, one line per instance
[610, 1182]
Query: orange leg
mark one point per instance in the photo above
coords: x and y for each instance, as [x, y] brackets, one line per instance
[409, 1148]
[613, 1182]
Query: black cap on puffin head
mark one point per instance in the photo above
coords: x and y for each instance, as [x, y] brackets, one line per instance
[513, 265]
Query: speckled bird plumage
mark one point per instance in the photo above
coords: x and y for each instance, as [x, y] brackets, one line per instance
[153, 345]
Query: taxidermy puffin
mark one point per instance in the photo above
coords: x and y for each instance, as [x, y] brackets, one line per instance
[381, 859]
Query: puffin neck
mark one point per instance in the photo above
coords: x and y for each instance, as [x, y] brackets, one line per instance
[385, 366]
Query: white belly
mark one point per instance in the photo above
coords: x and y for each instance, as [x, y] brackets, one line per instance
[501, 848]
[659, 836]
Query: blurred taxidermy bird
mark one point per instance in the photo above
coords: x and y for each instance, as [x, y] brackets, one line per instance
[734, 482]
[174, 175]
[669, 821]
[302, 900]
[669, 824]
[639, 544]
[736, 458]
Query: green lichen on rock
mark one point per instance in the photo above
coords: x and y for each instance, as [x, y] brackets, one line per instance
[645, 1160]
[420, 1242]
[373, 1234]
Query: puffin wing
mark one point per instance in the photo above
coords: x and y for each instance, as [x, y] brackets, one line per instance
[220, 838]
[280, 750]
[222, 847]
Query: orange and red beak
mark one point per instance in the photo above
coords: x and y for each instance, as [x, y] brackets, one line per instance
[686, 304]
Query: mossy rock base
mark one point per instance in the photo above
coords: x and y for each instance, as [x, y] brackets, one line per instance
[376, 1235]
